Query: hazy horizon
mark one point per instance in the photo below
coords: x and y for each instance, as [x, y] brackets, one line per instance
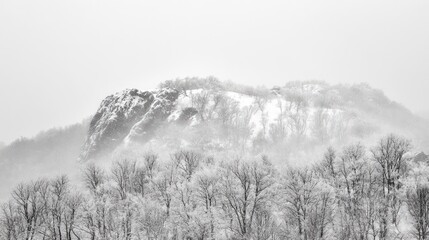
[60, 59]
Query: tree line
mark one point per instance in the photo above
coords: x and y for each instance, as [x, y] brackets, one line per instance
[352, 193]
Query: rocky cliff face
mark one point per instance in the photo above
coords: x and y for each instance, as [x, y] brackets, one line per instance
[128, 114]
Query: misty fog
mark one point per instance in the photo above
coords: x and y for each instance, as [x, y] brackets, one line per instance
[204, 120]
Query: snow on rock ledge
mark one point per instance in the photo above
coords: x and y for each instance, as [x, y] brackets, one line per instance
[126, 113]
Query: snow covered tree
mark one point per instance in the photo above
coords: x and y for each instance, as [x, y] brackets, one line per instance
[306, 205]
[246, 189]
[11, 226]
[30, 201]
[418, 207]
[390, 156]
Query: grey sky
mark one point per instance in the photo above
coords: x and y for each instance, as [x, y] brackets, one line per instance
[59, 59]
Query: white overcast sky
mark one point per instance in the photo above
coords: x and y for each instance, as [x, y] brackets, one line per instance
[60, 58]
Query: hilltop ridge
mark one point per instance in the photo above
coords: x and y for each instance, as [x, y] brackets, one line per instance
[211, 115]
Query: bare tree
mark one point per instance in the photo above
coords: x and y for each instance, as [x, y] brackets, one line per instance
[265, 227]
[122, 175]
[96, 211]
[163, 184]
[206, 186]
[10, 223]
[126, 175]
[94, 176]
[358, 200]
[278, 130]
[151, 221]
[261, 103]
[389, 155]
[306, 204]
[30, 200]
[297, 113]
[187, 162]
[227, 110]
[150, 164]
[201, 102]
[246, 190]
[73, 208]
[58, 195]
[418, 207]
[321, 123]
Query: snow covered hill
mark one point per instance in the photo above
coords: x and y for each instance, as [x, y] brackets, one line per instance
[294, 123]
[215, 116]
